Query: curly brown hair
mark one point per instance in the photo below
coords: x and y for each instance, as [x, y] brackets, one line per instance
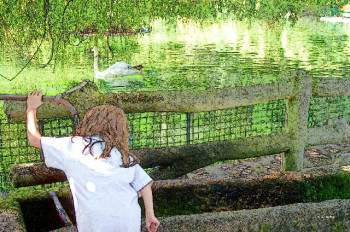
[111, 124]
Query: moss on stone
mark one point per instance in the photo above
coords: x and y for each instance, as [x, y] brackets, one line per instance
[339, 227]
[265, 228]
[336, 186]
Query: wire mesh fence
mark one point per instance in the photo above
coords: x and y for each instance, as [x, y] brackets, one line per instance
[14, 145]
[324, 108]
[162, 129]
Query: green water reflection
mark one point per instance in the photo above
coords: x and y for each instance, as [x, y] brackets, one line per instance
[187, 54]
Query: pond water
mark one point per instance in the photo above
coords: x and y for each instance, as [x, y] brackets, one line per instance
[182, 53]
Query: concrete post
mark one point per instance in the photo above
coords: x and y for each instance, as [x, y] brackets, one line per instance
[297, 120]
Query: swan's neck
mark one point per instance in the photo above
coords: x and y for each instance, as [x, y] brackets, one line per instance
[96, 71]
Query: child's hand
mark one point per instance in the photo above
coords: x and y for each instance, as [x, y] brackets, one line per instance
[34, 100]
[152, 223]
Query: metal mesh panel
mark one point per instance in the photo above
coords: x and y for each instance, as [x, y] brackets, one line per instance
[239, 122]
[324, 108]
[57, 127]
[161, 129]
[14, 146]
[157, 129]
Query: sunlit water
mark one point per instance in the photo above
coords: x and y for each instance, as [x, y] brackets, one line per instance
[186, 54]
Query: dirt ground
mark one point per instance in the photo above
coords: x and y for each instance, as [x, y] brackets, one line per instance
[315, 156]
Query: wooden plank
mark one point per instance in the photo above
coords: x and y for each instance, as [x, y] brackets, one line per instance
[66, 229]
[60, 210]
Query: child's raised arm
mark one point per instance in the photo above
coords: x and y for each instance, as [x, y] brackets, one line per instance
[34, 100]
[152, 222]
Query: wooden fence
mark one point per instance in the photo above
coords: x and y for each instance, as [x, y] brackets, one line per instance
[172, 162]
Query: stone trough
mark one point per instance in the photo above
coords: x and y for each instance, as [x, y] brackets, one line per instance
[274, 202]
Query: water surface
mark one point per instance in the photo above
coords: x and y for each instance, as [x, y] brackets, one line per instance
[187, 54]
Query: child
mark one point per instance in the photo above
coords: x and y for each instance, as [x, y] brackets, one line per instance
[104, 177]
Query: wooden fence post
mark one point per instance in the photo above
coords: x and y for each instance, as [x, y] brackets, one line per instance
[297, 120]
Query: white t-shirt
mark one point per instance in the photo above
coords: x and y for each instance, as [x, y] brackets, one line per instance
[105, 195]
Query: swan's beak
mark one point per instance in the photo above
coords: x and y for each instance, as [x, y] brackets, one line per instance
[138, 67]
[89, 50]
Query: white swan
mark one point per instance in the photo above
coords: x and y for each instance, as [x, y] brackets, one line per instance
[118, 69]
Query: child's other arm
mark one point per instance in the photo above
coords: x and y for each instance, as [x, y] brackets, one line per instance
[152, 222]
[34, 100]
